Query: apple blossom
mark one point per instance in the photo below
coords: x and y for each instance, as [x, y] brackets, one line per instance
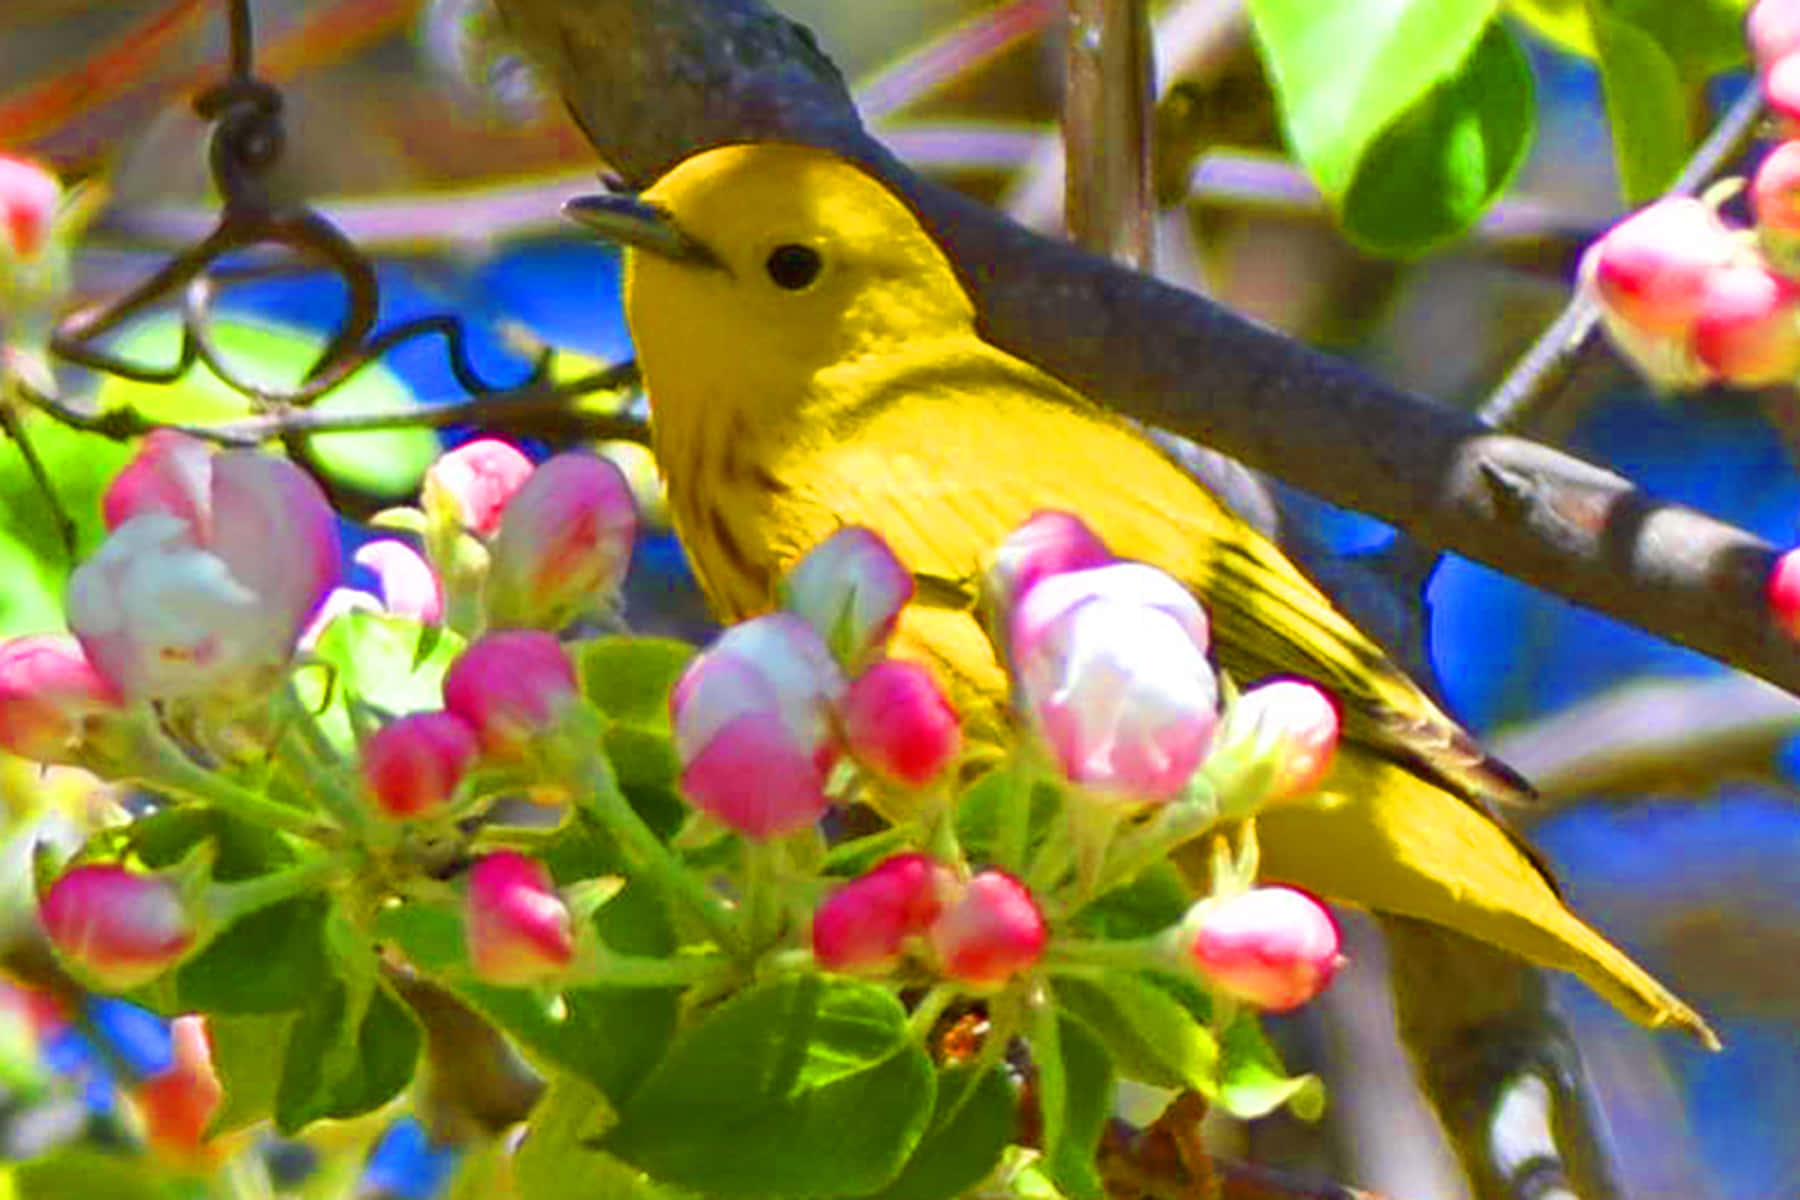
[989, 932]
[1112, 672]
[1748, 328]
[512, 687]
[1273, 947]
[179, 1103]
[851, 589]
[213, 569]
[519, 930]
[1276, 742]
[898, 724]
[119, 928]
[864, 925]
[563, 544]
[1050, 542]
[753, 725]
[47, 690]
[415, 763]
[29, 196]
[475, 481]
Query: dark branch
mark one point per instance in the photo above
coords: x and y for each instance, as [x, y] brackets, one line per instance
[652, 81]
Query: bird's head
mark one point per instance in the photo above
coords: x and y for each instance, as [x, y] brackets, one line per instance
[750, 268]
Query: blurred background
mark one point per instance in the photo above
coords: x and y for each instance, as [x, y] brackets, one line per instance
[1669, 808]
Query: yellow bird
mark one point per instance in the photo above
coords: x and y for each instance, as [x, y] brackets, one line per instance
[812, 362]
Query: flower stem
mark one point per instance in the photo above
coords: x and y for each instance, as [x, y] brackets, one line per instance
[232, 901]
[162, 766]
[610, 969]
[599, 795]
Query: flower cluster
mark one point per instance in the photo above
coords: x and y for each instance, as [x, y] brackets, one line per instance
[799, 804]
[1692, 300]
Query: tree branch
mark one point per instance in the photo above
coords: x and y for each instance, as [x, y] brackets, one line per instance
[652, 81]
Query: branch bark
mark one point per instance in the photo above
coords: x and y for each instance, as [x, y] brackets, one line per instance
[653, 81]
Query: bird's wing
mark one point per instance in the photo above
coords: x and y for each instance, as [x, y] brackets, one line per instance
[956, 460]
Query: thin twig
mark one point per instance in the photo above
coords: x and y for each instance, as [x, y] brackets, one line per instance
[538, 409]
[1538, 377]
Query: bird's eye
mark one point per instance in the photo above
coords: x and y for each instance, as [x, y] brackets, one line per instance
[793, 267]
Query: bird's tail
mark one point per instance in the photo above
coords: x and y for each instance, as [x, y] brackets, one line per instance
[1381, 838]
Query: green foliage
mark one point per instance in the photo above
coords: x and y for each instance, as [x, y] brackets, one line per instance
[389, 663]
[344, 1058]
[1410, 116]
[32, 559]
[975, 1119]
[1075, 1098]
[799, 1087]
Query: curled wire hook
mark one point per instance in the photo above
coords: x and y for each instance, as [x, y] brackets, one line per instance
[248, 139]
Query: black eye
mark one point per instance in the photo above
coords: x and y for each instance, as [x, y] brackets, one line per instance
[793, 267]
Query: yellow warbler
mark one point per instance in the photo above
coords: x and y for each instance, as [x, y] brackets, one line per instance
[812, 362]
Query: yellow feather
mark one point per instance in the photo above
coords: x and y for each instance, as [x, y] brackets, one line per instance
[867, 397]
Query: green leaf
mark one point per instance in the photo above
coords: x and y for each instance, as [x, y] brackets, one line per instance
[244, 850]
[32, 559]
[77, 1171]
[1563, 23]
[1152, 902]
[272, 961]
[247, 1052]
[802, 1086]
[1151, 1035]
[1252, 1081]
[556, 1161]
[375, 657]
[975, 1119]
[609, 1037]
[1432, 173]
[1646, 105]
[1411, 117]
[388, 462]
[1702, 38]
[629, 678]
[1075, 1098]
[339, 1067]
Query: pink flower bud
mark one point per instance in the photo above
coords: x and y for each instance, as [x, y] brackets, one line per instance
[863, 926]
[119, 928]
[753, 726]
[171, 473]
[1781, 89]
[214, 569]
[1049, 543]
[1277, 741]
[475, 481]
[409, 587]
[512, 687]
[1649, 271]
[898, 724]
[519, 929]
[29, 196]
[851, 589]
[1784, 592]
[1775, 192]
[414, 764]
[1111, 670]
[564, 544]
[1273, 947]
[1773, 31]
[178, 1104]
[990, 932]
[1747, 329]
[47, 689]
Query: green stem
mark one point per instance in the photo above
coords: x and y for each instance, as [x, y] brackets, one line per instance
[599, 795]
[319, 761]
[610, 969]
[930, 1008]
[233, 901]
[1012, 833]
[162, 766]
[761, 907]
[1136, 852]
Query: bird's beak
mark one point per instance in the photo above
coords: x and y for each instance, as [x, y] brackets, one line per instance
[630, 221]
